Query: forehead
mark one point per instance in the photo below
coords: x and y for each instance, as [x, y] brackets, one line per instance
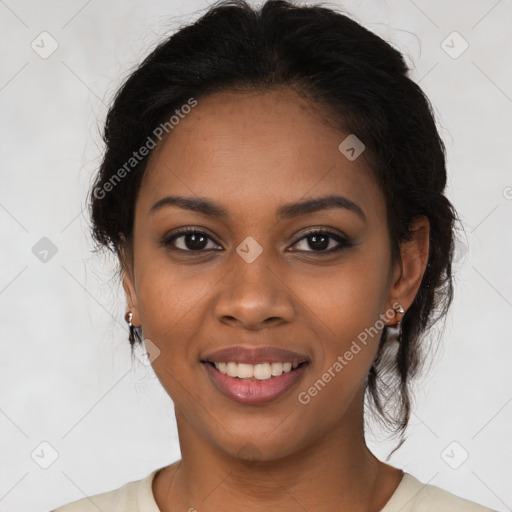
[247, 150]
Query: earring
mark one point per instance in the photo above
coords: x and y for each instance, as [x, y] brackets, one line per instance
[133, 330]
[399, 310]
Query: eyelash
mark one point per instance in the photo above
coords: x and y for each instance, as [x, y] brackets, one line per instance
[343, 242]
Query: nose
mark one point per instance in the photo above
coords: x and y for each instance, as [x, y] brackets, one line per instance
[254, 295]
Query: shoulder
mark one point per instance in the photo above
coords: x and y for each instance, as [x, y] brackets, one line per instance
[414, 496]
[135, 496]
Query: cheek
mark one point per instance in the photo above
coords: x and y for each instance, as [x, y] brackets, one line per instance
[169, 303]
[349, 297]
[347, 309]
[169, 300]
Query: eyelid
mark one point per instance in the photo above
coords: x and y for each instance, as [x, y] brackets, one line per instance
[341, 239]
[179, 232]
[320, 229]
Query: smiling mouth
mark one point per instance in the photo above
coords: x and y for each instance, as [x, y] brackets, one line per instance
[254, 384]
[255, 372]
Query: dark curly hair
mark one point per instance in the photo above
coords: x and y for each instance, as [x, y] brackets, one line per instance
[362, 84]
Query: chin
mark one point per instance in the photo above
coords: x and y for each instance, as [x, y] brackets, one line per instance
[258, 449]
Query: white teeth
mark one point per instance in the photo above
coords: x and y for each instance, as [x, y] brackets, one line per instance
[245, 371]
[261, 371]
[276, 369]
[231, 370]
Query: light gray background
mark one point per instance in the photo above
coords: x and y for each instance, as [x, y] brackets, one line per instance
[66, 373]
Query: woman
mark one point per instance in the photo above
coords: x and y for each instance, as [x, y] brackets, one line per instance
[273, 187]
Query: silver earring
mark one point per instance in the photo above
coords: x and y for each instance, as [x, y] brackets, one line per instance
[400, 309]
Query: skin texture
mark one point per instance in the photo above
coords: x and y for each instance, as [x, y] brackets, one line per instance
[252, 153]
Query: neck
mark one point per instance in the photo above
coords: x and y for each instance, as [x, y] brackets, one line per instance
[336, 471]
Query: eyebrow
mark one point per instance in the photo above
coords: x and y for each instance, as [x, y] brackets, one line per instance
[286, 211]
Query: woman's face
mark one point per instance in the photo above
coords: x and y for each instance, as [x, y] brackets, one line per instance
[253, 278]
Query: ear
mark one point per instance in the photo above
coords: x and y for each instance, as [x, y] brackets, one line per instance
[408, 272]
[128, 280]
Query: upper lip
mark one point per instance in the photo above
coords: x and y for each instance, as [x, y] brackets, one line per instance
[254, 355]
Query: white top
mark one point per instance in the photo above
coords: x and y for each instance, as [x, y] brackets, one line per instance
[411, 495]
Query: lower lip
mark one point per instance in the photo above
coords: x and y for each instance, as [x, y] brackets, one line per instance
[254, 392]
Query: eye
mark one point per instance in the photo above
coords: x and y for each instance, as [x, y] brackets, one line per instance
[321, 241]
[190, 240]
